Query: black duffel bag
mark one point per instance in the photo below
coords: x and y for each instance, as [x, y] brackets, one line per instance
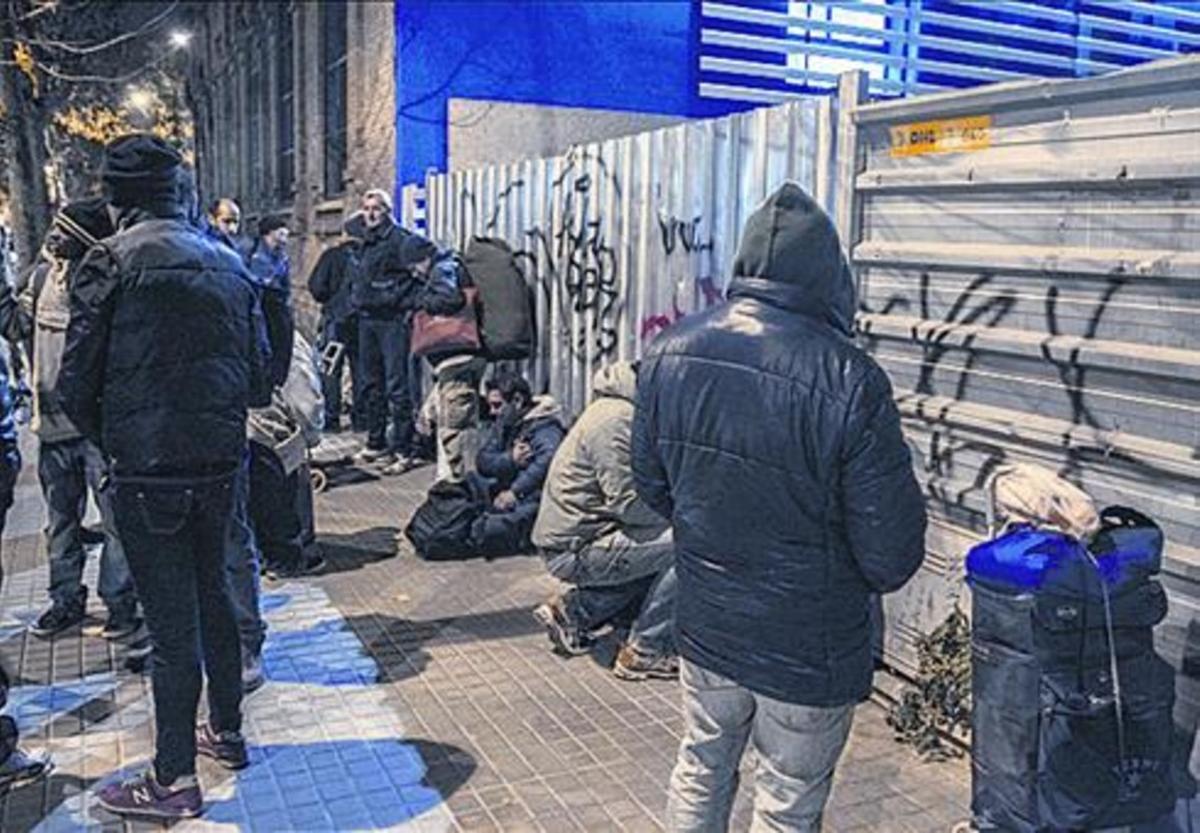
[440, 529]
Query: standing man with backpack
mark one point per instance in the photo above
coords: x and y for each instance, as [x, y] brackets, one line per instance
[69, 465]
[385, 294]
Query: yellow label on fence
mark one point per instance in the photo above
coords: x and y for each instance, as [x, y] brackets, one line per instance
[945, 136]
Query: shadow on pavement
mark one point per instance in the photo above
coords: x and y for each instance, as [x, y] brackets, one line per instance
[397, 645]
[346, 553]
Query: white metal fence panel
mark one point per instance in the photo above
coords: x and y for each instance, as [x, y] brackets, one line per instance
[622, 238]
[1030, 279]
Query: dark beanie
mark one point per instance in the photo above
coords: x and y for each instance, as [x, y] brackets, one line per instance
[270, 223]
[140, 170]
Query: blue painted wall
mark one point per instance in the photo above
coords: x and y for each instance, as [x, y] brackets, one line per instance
[605, 54]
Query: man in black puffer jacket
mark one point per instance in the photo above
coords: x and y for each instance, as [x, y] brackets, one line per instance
[772, 443]
[166, 350]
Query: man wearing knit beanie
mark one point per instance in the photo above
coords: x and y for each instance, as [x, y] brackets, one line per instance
[166, 351]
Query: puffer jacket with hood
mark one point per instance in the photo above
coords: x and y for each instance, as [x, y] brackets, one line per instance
[541, 426]
[589, 490]
[772, 443]
[166, 347]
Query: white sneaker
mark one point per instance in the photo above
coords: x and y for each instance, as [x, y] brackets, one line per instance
[400, 465]
[374, 455]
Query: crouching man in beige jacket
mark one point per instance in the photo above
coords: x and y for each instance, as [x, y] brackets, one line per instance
[596, 534]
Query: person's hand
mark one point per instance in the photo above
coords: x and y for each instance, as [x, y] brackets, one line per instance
[522, 453]
[506, 501]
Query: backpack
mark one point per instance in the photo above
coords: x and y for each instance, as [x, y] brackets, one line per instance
[506, 318]
[440, 529]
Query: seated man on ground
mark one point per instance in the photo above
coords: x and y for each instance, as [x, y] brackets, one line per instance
[513, 462]
[598, 535]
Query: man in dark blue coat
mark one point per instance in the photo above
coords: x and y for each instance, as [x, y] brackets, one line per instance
[166, 350]
[772, 443]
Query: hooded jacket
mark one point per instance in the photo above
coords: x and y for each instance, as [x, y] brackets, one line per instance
[166, 346]
[42, 311]
[332, 278]
[540, 426]
[589, 490]
[772, 443]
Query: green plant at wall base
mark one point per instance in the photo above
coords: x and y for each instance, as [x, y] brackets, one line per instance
[940, 703]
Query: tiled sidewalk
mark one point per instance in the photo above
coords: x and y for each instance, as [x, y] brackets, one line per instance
[410, 696]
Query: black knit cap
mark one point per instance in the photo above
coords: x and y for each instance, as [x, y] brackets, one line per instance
[140, 170]
[271, 222]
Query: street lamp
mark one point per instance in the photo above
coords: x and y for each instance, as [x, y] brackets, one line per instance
[180, 39]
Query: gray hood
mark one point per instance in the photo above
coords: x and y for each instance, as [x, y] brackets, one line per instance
[617, 381]
[790, 256]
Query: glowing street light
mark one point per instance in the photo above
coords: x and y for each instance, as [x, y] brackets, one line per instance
[180, 39]
[139, 98]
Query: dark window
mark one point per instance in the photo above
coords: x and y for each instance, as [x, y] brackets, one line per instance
[333, 66]
[285, 150]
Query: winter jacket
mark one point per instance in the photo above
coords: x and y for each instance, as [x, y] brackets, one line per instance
[331, 281]
[271, 275]
[589, 490]
[384, 285]
[772, 443]
[541, 426]
[166, 348]
[292, 423]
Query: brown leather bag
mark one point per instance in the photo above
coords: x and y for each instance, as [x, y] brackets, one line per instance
[457, 333]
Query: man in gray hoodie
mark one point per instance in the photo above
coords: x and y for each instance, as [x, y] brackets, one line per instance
[68, 464]
[598, 535]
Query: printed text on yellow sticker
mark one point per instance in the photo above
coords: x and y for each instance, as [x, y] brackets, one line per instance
[945, 136]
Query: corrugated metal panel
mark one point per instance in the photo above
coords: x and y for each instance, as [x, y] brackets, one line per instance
[765, 52]
[1038, 298]
[622, 238]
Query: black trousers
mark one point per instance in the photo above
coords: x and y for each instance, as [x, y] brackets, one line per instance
[346, 333]
[275, 510]
[174, 533]
[383, 353]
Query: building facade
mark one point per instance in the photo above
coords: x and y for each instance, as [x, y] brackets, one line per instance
[303, 106]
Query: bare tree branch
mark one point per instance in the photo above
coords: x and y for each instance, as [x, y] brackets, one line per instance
[75, 49]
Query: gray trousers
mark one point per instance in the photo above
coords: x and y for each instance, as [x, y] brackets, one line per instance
[796, 747]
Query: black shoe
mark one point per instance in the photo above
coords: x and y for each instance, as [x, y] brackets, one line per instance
[309, 566]
[58, 618]
[566, 636]
[226, 748]
[91, 537]
[121, 623]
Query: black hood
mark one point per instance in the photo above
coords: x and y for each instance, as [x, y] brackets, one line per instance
[790, 256]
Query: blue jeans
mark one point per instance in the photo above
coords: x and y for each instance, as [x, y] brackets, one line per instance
[612, 573]
[175, 531]
[242, 566]
[384, 373]
[66, 471]
[797, 748]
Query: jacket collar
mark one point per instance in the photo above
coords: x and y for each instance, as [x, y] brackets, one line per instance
[796, 298]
